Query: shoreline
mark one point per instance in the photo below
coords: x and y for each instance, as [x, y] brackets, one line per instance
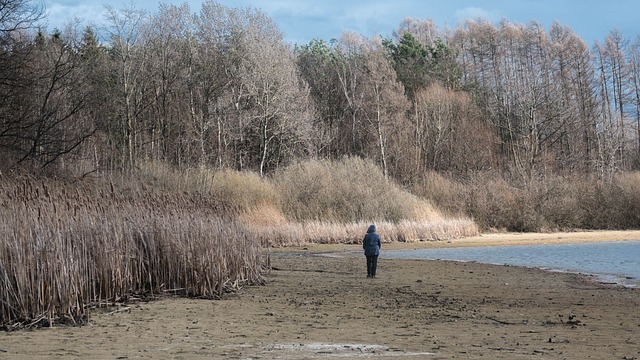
[486, 239]
[508, 239]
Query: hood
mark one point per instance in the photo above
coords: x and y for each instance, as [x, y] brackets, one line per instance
[372, 229]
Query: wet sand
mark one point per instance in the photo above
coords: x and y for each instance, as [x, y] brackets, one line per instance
[316, 306]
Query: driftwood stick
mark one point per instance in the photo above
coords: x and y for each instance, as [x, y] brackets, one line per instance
[174, 290]
[37, 320]
[125, 309]
[501, 349]
[503, 322]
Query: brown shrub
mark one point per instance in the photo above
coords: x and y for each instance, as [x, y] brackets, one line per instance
[347, 191]
[334, 202]
[548, 203]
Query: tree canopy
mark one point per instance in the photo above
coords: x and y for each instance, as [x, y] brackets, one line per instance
[221, 88]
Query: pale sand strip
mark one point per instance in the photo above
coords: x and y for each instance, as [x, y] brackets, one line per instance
[490, 239]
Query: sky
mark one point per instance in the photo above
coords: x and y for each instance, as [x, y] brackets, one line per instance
[304, 20]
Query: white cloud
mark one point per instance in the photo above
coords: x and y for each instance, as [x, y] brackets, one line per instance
[58, 15]
[473, 12]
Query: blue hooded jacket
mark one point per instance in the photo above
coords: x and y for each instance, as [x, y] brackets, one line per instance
[371, 242]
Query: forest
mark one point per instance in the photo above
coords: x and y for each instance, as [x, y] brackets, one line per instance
[194, 114]
[482, 106]
[220, 88]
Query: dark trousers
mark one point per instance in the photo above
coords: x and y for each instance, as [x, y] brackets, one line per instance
[372, 264]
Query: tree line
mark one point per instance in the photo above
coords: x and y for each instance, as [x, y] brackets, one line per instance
[221, 88]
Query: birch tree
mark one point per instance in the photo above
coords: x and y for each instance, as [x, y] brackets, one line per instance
[125, 31]
[272, 95]
[612, 94]
[634, 75]
[385, 101]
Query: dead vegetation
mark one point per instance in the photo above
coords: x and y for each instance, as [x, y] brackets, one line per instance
[71, 246]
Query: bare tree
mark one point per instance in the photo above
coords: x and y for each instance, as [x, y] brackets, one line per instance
[536, 88]
[216, 67]
[615, 63]
[455, 138]
[319, 63]
[634, 74]
[41, 92]
[425, 31]
[573, 71]
[610, 146]
[348, 66]
[177, 126]
[272, 95]
[125, 30]
[17, 15]
[384, 99]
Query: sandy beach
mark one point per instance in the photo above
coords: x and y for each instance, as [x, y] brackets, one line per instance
[317, 304]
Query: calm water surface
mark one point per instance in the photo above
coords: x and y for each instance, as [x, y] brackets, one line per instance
[617, 261]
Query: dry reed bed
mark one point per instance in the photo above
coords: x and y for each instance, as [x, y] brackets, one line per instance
[68, 248]
[292, 234]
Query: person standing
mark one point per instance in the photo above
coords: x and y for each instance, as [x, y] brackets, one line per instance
[371, 245]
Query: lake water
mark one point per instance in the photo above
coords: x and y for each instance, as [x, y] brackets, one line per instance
[617, 261]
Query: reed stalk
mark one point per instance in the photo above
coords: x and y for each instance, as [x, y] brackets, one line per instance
[66, 249]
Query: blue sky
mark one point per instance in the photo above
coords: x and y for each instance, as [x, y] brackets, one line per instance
[303, 20]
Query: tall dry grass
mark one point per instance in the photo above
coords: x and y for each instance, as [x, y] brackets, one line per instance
[316, 201]
[295, 234]
[349, 190]
[66, 248]
[548, 203]
[335, 201]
